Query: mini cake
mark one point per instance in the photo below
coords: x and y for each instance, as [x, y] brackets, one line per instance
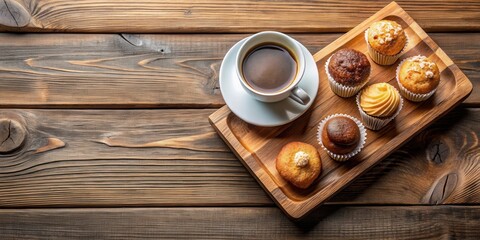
[418, 78]
[299, 163]
[342, 136]
[385, 41]
[347, 71]
[379, 104]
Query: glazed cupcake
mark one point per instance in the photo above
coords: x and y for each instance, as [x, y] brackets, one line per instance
[386, 40]
[348, 71]
[379, 104]
[341, 136]
[299, 163]
[418, 78]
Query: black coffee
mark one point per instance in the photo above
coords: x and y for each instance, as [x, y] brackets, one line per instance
[269, 68]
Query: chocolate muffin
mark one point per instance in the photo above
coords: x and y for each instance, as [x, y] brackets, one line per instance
[349, 67]
[340, 135]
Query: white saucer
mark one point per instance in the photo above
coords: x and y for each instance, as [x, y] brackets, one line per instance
[260, 113]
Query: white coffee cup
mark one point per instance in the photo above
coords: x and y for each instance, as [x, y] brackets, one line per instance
[292, 90]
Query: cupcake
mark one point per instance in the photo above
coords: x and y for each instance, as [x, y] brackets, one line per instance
[418, 78]
[386, 40]
[347, 71]
[299, 163]
[379, 104]
[341, 136]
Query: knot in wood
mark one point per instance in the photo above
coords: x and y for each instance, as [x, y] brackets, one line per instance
[443, 188]
[438, 151]
[12, 135]
[13, 14]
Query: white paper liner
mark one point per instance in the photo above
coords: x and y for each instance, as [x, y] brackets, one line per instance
[342, 90]
[361, 142]
[383, 59]
[414, 97]
[375, 123]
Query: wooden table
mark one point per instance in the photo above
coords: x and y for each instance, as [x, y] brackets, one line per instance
[105, 130]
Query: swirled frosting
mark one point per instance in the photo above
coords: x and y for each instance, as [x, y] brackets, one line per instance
[380, 100]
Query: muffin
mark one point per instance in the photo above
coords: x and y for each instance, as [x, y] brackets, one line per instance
[386, 40]
[418, 78]
[379, 104]
[341, 136]
[347, 71]
[299, 163]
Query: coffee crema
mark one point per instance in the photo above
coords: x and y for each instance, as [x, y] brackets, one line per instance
[269, 68]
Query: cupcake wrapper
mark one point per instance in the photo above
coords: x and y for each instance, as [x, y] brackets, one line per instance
[380, 58]
[414, 97]
[375, 123]
[339, 89]
[361, 143]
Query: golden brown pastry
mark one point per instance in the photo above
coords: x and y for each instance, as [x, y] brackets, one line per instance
[387, 37]
[385, 41]
[419, 75]
[299, 163]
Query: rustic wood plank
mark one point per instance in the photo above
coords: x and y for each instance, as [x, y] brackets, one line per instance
[332, 222]
[128, 71]
[174, 158]
[121, 157]
[459, 50]
[234, 16]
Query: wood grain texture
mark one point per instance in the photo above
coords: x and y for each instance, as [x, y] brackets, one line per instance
[63, 163]
[129, 71]
[122, 157]
[258, 147]
[458, 49]
[333, 222]
[235, 16]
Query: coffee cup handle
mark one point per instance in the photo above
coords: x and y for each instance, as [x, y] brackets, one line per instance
[299, 95]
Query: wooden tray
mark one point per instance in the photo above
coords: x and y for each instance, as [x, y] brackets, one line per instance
[257, 147]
